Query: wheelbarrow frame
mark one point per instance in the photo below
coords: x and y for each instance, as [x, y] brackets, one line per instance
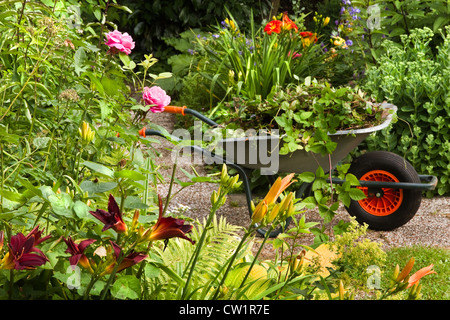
[427, 182]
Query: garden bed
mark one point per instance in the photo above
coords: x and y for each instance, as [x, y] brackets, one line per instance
[433, 216]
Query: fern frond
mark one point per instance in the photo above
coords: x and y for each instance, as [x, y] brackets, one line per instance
[221, 242]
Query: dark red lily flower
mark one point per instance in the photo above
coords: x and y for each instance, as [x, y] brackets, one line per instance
[168, 227]
[37, 235]
[76, 250]
[20, 255]
[128, 261]
[111, 218]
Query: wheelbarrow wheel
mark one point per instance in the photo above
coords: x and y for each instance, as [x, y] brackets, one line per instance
[385, 208]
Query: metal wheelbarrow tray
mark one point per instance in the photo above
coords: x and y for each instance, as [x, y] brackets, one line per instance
[392, 186]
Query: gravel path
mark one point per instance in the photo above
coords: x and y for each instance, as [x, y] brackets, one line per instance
[429, 227]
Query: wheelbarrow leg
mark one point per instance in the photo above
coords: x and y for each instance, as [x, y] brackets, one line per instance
[243, 174]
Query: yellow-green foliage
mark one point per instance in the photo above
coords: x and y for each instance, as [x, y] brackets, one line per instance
[357, 253]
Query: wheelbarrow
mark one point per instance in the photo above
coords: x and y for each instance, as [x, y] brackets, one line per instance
[392, 186]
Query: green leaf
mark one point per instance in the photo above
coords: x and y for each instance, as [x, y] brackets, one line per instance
[352, 179]
[127, 62]
[95, 82]
[61, 204]
[35, 191]
[132, 202]
[12, 196]
[282, 122]
[99, 168]
[279, 285]
[356, 194]
[129, 174]
[81, 209]
[99, 187]
[79, 61]
[345, 198]
[126, 287]
[151, 271]
[41, 142]
[172, 274]
[307, 176]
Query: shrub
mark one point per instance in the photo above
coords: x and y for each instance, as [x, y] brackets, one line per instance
[415, 79]
[169, 19]
[356, 254]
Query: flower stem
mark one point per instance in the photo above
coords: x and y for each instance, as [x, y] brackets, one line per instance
[196, 254]
[170, 187]
[257, 254]
[230, 263]
[94, 279]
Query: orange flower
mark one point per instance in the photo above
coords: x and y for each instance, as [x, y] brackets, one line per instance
[273, 26]
[278, 187]
[275, 191]
[415, 278]
[406, 270]
[308, 38]
[259, 212]
[287, 24]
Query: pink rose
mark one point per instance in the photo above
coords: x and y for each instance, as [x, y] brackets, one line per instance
[156, 97]
[119, 42]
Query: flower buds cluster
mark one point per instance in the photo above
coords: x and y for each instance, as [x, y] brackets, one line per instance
[296, 264]
[268, 210]
[401, 280]
[318, 18]
[281, 210]
[86, 133]
[227, 183]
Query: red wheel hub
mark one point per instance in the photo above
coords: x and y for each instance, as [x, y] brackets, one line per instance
[384, 202]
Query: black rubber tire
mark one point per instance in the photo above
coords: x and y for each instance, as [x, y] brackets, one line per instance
[404, 172]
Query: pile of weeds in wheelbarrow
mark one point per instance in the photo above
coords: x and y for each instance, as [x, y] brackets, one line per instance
[305, 114]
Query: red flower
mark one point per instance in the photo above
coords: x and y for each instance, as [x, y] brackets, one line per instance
[273, 26]
[305, 34]
[128, 261]
[76, 250]
[288, 24]
[37, 236]
[111, 218]
[22, 252]
[166, 228]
